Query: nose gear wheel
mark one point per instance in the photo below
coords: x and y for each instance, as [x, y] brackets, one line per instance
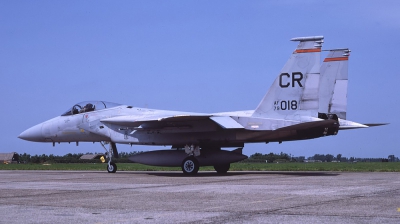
[112, 167]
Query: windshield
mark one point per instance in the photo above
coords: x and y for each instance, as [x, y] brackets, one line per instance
[88, 106]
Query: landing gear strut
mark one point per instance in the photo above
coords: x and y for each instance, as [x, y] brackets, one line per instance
[110, 152]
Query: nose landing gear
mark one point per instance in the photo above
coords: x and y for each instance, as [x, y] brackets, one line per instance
[110, 152]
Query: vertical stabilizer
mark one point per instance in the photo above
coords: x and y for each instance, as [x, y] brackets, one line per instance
[333, 83]
[296, 87]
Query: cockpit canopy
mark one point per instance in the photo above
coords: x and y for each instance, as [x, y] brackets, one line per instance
[87, 106]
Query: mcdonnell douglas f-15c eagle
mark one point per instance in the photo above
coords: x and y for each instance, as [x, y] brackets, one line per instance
[307, 100]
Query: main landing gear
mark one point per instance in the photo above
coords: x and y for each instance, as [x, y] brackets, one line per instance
[190, 165]
[110, 152]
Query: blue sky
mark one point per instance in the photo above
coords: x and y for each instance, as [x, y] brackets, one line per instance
[200, 56]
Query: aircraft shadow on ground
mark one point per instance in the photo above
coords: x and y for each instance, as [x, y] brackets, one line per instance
[241, 173]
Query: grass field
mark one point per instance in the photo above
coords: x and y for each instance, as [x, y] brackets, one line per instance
[341, 167]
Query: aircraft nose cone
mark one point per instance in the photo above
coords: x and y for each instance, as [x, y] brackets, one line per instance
[32, 134]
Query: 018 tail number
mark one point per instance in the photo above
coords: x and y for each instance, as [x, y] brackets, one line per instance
[285, 105]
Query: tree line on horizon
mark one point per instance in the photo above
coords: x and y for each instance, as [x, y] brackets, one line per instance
[284, 157]
[255, 158]
[70, 158]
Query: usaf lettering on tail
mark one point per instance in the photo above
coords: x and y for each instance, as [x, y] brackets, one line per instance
[305, 101]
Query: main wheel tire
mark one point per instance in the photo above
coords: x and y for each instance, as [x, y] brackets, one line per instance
[190, 166]
[112, 168]
[222, 168]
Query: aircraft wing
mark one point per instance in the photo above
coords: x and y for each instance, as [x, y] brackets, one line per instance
[225, 122]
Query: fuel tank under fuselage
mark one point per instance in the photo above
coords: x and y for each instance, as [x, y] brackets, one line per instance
[174, 158]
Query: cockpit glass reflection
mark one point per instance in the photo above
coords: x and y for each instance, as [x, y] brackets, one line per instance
[88, 106]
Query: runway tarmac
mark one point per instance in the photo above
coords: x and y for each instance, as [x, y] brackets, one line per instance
[171, 197]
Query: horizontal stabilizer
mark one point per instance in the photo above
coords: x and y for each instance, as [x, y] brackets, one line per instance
[347, 125]
[226, 122]
[374, 125]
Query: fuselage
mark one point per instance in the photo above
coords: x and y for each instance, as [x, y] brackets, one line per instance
[80, 125]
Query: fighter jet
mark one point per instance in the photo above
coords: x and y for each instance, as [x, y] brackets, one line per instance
[305, 101]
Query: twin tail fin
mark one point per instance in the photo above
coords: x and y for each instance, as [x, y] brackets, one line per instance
[295, 90]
